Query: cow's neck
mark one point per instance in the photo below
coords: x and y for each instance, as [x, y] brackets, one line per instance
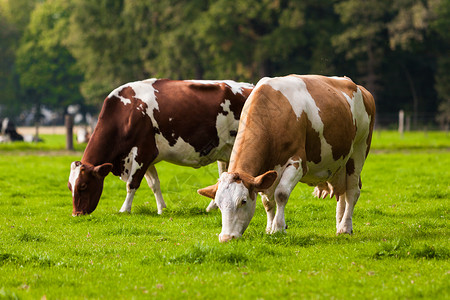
[250, 160]
[251, 152]
[266, 133]
[101, 148]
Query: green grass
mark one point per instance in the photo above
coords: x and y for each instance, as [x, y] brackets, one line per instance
[51, 142]
[425, 140]
[399, 250]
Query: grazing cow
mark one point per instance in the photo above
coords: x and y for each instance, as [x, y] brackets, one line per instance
[311, 129]
[190, 123]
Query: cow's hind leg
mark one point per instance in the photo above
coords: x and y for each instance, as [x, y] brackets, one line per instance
[340, 209]
[351, 196]
[153, 182]
[222, 166]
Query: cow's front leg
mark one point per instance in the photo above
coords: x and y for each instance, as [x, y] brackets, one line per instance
[290, 177]
[153, 182]
[269, 205]
[126, 206]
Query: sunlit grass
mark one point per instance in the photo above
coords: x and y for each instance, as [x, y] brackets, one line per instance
[399, 249]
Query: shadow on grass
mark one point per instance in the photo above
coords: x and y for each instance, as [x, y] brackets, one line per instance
[406, 248]
[168, 212]
[18, 260]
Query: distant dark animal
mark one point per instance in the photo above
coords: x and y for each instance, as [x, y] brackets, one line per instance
[9, 132]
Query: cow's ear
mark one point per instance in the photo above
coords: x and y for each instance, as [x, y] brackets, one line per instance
[264, 181]
[103, 170]
[209, 191]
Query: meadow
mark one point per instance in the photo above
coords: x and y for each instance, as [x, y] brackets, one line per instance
[399, 250]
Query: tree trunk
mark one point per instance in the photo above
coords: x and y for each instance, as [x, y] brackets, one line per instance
[414, 96]
[37, 121]
[69, 132]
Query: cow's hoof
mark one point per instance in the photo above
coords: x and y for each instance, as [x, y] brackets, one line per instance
[279, 228]
[344, 231]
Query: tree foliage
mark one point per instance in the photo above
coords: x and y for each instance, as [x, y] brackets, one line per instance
[47, 71]
[61, 49]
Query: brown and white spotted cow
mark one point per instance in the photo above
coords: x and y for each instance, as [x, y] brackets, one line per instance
[311, 129]
[190, 123]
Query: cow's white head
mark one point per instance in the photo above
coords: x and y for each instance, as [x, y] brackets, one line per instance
[86, 184]
[235, 195]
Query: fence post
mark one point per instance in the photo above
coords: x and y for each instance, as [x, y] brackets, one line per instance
[69, 132]
[401, 122]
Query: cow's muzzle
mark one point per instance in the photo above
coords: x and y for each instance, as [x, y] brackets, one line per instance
[80, 213]
[227, 237]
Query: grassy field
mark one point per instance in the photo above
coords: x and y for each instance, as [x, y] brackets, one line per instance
[399, 250]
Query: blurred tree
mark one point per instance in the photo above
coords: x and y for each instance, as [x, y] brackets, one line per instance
[363, 39]
[9, 106]
[47, 70]
[18, 12]
[14, 17]
[144, 39]
[441, 25]
[95, 43]
[411, 38]
[171, 48]
[246, 40]
[398, 49]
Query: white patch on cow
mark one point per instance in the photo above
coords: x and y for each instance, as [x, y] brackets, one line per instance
[236, 87]
[190, 157]
[144, 91]
[74, 174]
[130, 165]
[224, 123]
[181, 153]
[340, 78]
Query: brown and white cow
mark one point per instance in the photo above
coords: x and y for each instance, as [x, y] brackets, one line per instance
[312, 129]
[190, 123]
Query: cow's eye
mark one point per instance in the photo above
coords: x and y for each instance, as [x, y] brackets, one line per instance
[83, 186]
[243, 202]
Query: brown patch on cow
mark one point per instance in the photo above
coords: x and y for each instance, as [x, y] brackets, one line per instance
[313, 144]
[202, 102]
[350, 166]
[127, 92]
[334, 107]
